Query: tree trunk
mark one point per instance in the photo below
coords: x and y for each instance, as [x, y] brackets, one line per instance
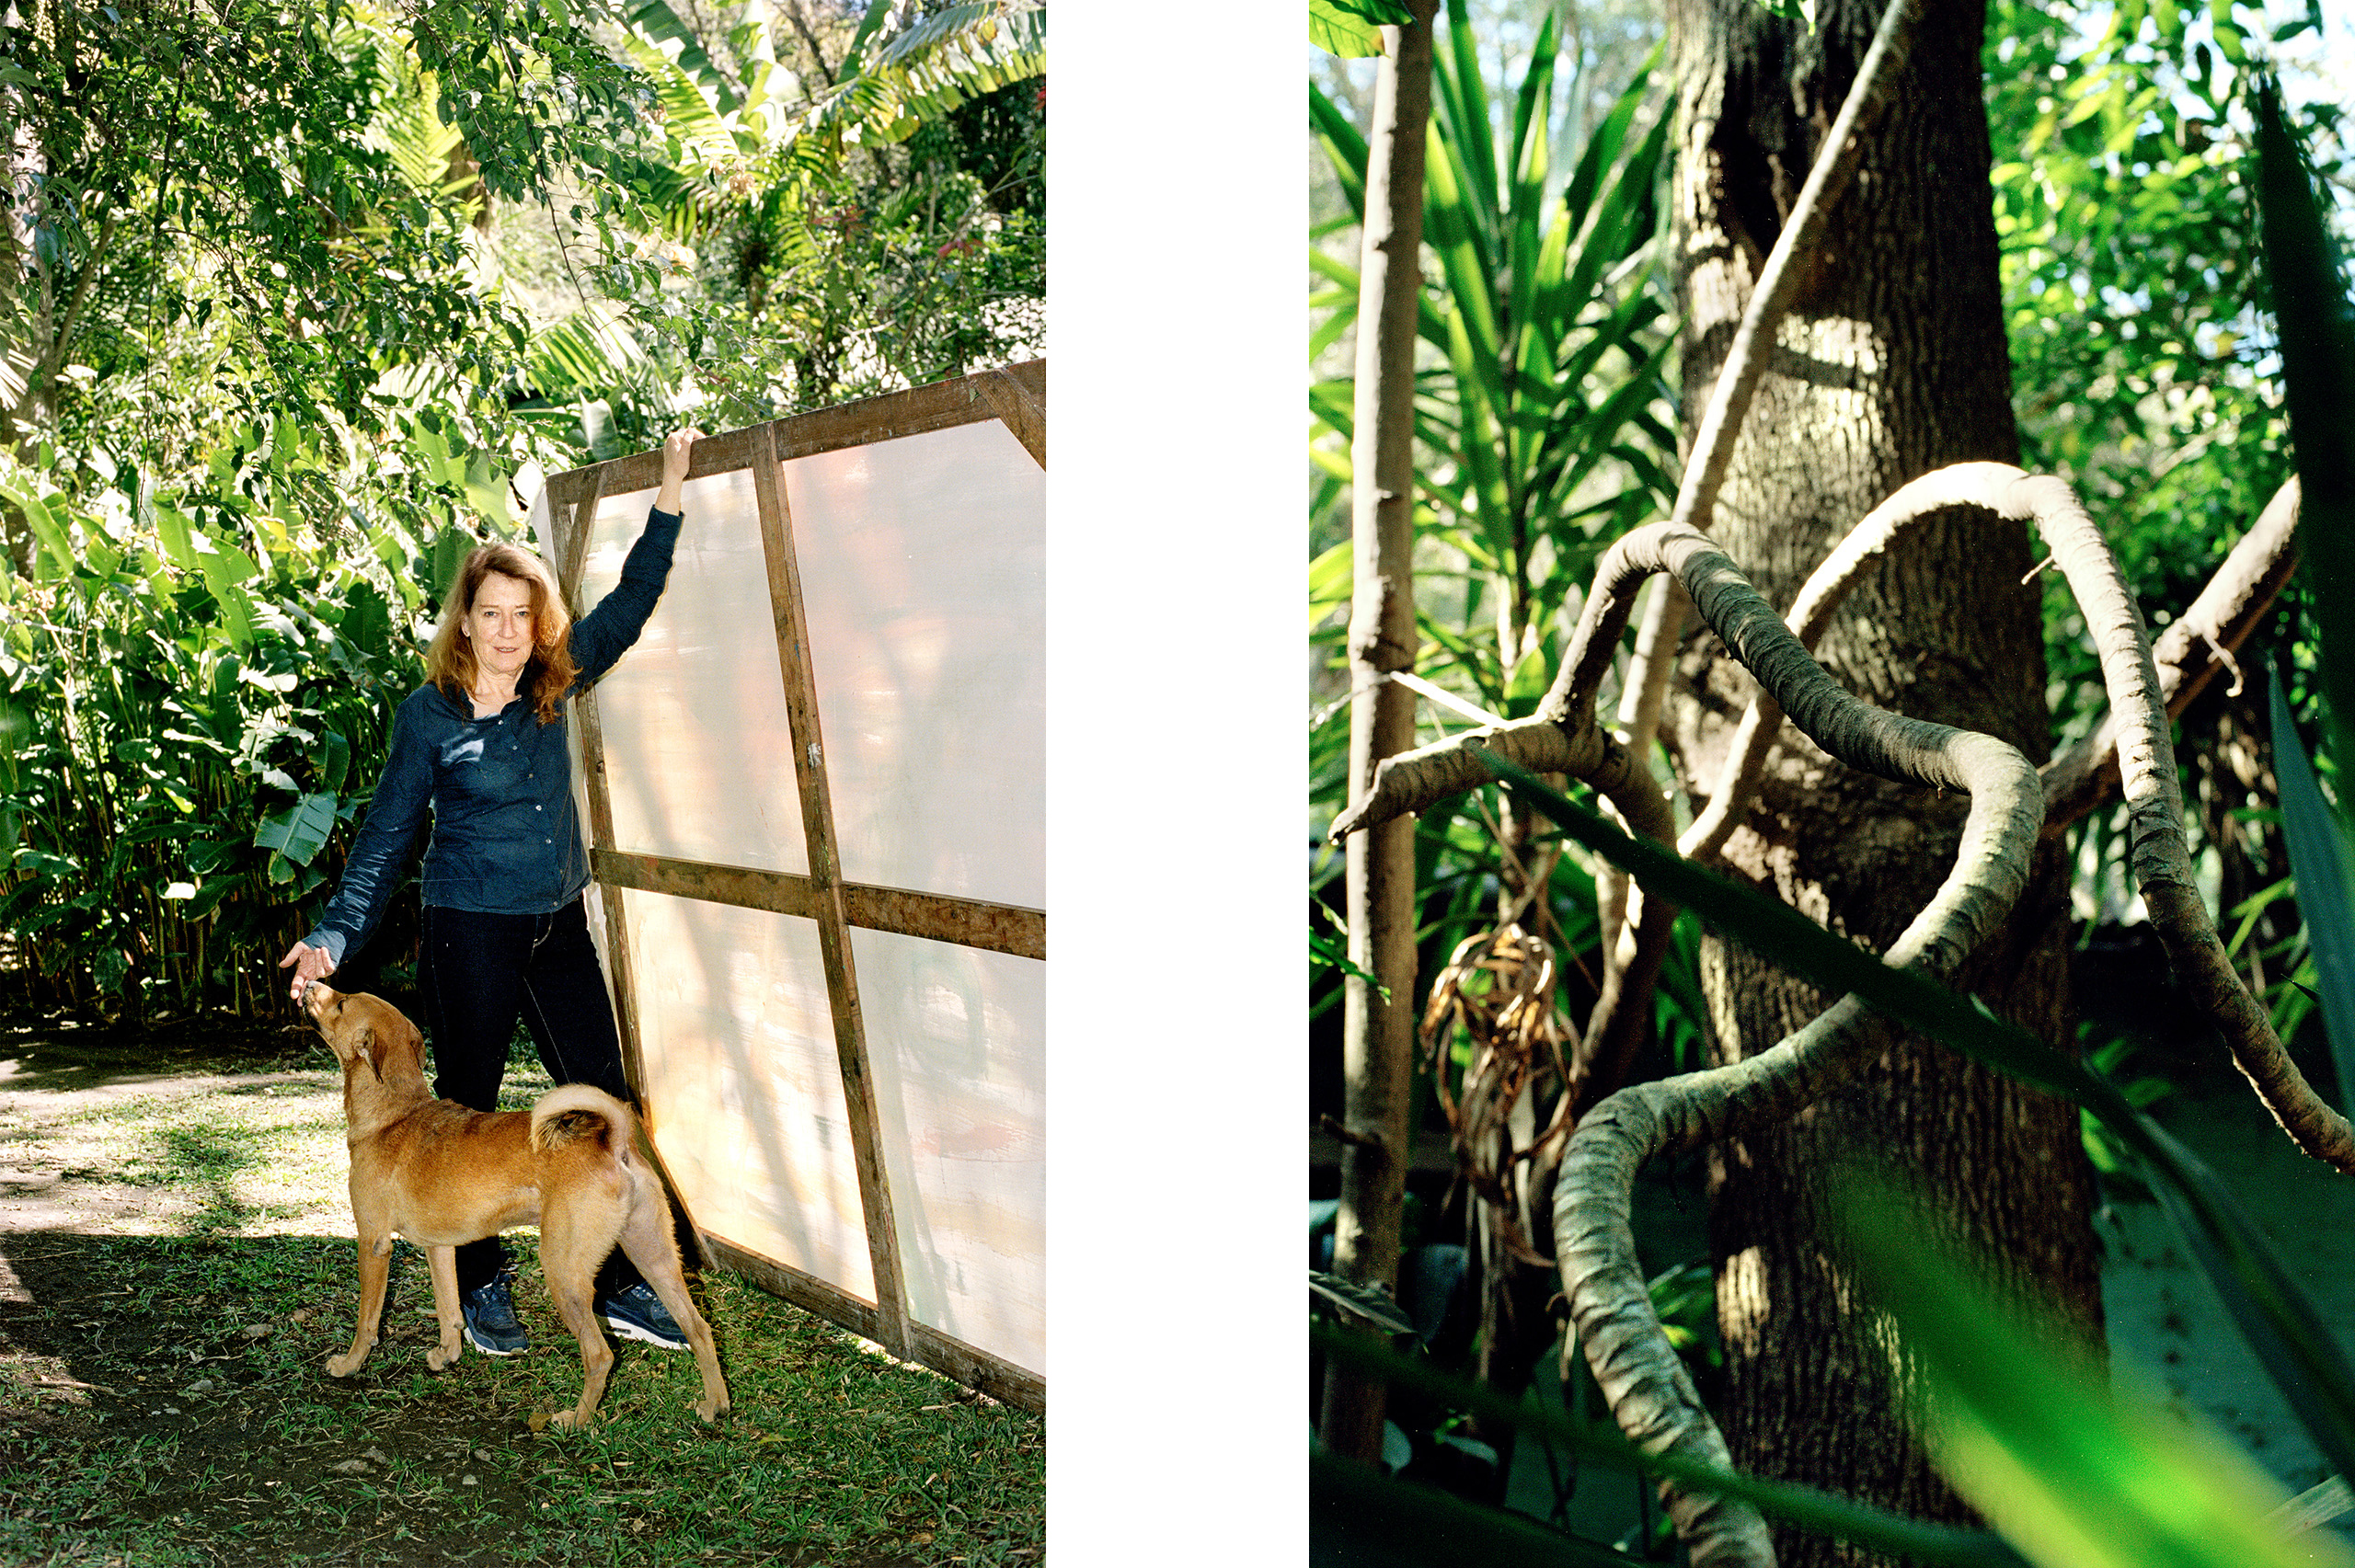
[1891, 364]
[1378, 1035]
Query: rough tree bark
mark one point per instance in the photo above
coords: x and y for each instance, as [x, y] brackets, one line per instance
[1378, 1034]
[1892, 364]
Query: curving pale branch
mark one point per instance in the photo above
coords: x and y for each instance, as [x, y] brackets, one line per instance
[2079, 780]
[2130, 749]
[1651, 1397]
[1641, 1376]
[1810, 616]
[2187, 655]
[2161, 859]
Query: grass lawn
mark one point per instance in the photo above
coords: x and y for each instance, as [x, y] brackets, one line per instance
[175, 1264]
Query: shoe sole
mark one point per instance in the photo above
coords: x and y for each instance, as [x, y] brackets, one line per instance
[643, 1336]
[486, 1348]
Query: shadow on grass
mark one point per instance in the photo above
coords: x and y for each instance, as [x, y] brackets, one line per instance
[163, 1401]
[209, 1159]
[64, 1057]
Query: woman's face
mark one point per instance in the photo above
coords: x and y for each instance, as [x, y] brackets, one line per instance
[499, 624]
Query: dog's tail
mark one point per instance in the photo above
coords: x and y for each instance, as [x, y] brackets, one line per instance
[577, 1111]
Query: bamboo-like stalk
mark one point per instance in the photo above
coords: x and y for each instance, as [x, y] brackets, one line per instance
[1378, 1030]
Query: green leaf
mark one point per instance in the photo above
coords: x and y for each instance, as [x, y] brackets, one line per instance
[208, 898]
[1362, 1300]
[1356, 1514]
[2034, 1437]
[367, 624]
[1337, 29]
[334, 760]
[2317, 342]
[46, 527]
[1326, 953]
[875, 11]
[236, 616]
[1344, 145]
[2320, 863]
[657, 22]
[224, 566]
[1814, 1510]
[299, 832]
[449, 553]
[172, 530]
[488, 488]
[15, 729]
[1332, 582]
[702, 137]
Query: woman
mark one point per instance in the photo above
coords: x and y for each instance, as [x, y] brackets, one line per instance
[481, 749]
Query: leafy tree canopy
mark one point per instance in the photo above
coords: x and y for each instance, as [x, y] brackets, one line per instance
[302, 297]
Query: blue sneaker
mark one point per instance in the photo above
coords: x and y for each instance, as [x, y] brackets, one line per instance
[489, 1313]
[637, 1314]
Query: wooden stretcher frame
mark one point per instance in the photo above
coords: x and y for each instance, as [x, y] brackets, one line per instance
[1017, 397]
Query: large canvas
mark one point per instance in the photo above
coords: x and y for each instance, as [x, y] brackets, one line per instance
[817, 805]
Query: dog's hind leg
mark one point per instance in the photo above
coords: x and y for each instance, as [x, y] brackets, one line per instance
[570, 1249]
[645, 1237]
[375, 1268]
[442, 1263]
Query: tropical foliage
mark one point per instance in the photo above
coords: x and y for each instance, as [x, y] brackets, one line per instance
[2151, 373]
[1541, 407]
[301, 303]
[2145, 360]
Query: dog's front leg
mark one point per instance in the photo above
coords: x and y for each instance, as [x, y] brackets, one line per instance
[375, 1267]
[442, 1263]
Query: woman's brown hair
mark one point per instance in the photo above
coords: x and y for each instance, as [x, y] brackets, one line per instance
[450, 660]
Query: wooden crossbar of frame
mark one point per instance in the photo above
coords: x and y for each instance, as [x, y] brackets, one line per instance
[1018, 397]
[966, 923]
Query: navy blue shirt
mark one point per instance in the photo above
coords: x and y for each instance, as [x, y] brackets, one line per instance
[499, 790]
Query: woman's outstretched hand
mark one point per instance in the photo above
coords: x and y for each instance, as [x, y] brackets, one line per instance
[675, 448]
[310, 963]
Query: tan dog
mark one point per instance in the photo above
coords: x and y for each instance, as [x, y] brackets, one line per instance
[441, 1174]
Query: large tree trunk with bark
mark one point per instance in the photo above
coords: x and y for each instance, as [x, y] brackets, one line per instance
[1892, 364]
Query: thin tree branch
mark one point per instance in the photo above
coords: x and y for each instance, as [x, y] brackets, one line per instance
[1753, 341]
[62, 333]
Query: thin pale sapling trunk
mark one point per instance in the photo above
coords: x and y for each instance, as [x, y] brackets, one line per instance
[1378, 1031]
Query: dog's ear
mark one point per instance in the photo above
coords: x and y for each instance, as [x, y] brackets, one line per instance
[363, 1047]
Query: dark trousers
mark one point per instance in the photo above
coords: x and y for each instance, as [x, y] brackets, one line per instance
[479, 974]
